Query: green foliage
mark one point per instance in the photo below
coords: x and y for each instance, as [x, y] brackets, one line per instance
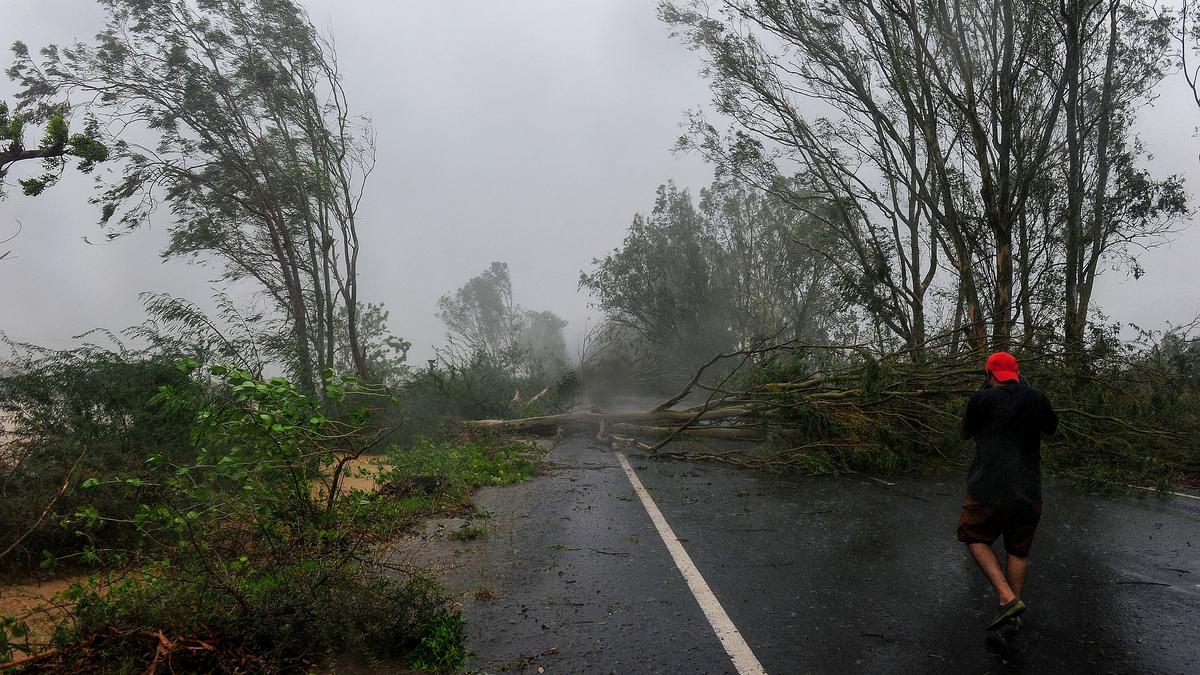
[480, 388]
[443, 645]
[468, 532]
[1129, 418]
[663, 281]
[56, 145]
[276, 202]
[13, 631]
[484, 322]
[250, 538]
[386, 355]
[465, 465]
[82, 415]
[691, 281]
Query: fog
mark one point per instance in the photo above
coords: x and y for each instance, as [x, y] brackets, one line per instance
[525, 132]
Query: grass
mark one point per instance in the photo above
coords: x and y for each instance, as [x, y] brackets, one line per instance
[468, 532]
[464, 466]
[355, 613]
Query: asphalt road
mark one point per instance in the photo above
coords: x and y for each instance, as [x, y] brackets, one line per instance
[819, 575]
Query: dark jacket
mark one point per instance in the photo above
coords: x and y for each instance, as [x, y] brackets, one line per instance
[1007, 423]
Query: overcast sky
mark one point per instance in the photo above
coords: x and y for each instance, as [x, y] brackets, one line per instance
[523, 131]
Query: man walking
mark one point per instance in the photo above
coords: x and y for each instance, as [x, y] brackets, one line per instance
[1007, 418]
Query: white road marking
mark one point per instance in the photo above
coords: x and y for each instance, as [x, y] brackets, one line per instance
[1150, 489]
[739, 652]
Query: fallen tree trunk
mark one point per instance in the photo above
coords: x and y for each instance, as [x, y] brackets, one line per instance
[856, 407]
[730, 433]
[576, 420]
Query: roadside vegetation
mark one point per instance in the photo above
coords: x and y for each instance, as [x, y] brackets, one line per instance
[229, 540]
[225, 489]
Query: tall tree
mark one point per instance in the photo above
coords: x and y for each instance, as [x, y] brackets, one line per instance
[663, 283]
[254, 150]
[1117, 54]
[770, 266]
[945, 114]
[692, 281]
[932, 136]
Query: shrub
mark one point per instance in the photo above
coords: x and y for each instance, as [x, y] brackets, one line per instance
[74, 415]
[442, 647]
[464, 465]
[252, 544]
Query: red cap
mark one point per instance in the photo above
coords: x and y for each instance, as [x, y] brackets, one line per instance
[1003, 366]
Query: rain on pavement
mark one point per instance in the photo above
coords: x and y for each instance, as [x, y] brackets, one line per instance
[820, 575]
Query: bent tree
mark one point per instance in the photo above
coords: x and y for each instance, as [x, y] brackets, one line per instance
[233, 115]
[965, 147]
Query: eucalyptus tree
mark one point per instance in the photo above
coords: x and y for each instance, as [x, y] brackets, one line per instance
[987, 142]
[769, 262]
[233, 115]
[933, 123]
[1117, 54]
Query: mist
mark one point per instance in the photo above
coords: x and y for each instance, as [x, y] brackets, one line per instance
[527, 133]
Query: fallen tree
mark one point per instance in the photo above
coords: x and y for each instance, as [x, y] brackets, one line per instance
[848, 407]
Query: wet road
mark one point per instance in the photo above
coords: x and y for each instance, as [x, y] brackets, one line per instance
[819, 575]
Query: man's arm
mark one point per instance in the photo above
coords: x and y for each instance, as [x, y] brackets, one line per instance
[970, 421]
[1049, 417]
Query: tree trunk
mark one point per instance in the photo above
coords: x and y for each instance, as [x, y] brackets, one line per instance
[1073, 329]
[1098, 234]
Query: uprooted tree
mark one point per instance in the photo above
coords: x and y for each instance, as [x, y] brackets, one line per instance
[826, 407]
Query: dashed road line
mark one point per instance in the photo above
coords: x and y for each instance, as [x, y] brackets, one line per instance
[739, 652]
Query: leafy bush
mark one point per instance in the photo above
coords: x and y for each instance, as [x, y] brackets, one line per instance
[252, 544]
[74, 415]
[442, 648]
[464, 465]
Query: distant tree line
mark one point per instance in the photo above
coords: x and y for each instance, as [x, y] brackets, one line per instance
[695, 278]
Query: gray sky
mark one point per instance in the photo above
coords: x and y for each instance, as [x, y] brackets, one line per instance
[523, 131]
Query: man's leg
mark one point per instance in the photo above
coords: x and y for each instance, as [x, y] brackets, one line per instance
[1015, 573]
[985, 557]
[1018, 537]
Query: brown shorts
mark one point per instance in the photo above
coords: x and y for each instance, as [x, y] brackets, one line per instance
[984, 524]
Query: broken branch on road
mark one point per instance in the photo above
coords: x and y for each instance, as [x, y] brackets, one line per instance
[836, 408]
